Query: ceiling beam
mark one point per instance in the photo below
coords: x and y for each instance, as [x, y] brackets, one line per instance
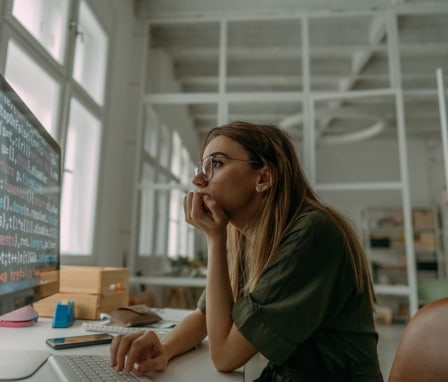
[206, 10]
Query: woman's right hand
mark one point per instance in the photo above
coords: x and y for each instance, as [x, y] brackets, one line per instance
[142, 351]
[204, 213]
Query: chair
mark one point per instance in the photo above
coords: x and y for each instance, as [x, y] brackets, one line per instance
[422, 354]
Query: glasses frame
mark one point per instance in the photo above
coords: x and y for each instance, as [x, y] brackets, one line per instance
[200, 168]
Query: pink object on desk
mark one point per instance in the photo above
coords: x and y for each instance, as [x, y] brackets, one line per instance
[18, 318]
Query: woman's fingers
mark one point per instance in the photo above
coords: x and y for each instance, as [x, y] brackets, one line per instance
[119, 349]
[142, 350]
[203, 212]
[187, 207]
[194, 207]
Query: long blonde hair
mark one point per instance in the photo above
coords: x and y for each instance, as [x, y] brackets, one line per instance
[289, 196]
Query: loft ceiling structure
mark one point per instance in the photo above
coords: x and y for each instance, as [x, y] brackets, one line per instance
[334, 65]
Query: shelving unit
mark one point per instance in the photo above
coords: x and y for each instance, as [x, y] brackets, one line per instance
[387, 250]
[427, 244]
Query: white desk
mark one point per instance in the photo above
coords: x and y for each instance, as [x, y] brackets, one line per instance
[195, 365]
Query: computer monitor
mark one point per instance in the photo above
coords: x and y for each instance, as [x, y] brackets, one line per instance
[30, 185]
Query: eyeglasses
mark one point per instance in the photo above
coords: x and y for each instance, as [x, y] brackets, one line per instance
[207, 165]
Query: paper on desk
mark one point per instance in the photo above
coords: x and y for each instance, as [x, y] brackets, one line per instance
[164, 324]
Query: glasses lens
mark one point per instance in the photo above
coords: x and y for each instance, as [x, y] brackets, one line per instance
[197, 168]
[204, 167]
[207, 168]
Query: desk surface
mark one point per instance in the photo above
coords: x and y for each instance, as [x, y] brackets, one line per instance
[195, 365]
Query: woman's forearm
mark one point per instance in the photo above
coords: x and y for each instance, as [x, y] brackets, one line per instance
[186, 335]
[219, 299]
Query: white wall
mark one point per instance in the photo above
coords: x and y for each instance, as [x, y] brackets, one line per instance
[116, 173]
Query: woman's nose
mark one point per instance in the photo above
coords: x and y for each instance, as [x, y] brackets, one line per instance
[198, 180]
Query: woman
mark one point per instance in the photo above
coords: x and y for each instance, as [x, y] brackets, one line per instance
[286, 275]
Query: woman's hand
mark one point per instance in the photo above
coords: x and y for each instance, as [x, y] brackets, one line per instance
[142, 349]
[203, 212]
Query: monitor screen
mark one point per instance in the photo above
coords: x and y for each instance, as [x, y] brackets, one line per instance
[30, 180]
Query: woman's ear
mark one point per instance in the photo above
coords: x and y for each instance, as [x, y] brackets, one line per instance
[263, 180]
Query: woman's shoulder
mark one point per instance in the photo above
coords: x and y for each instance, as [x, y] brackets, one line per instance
[313, 235]
[313, 219]
[313, 225]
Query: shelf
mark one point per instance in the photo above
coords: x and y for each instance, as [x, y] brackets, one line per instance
[394, 290]
[393, 266]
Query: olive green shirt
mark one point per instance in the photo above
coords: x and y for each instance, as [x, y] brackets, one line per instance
[305, 315]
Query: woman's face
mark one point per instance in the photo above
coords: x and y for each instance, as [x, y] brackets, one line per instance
[233, 184]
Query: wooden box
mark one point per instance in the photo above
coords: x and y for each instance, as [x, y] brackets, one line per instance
[93, 280]
[423, 218]
[425, 241]
[87, 306]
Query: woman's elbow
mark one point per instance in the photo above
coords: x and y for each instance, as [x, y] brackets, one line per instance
[223, 363]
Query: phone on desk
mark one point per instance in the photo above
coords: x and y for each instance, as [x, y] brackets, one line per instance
[77, 341]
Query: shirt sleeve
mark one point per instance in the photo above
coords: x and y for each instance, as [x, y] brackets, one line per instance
[292, 297]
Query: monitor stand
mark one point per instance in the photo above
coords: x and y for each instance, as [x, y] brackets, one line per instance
[20, 364]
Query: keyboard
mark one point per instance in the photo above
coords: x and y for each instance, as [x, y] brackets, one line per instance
[115, 329]
[89, 368]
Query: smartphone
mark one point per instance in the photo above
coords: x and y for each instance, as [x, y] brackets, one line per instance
[77, 341]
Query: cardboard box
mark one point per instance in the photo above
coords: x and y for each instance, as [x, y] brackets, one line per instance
[423, 218]
[93, 280]
[87, 306]
[424, 241]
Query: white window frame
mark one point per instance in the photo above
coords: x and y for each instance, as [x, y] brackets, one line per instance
[12, 29]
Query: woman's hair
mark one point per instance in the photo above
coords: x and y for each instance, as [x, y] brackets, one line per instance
[287, 198]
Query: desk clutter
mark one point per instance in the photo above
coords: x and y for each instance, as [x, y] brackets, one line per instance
[160, 329]
[94, 290]
[131, 319]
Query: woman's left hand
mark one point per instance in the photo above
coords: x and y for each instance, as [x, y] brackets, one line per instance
[203, 212]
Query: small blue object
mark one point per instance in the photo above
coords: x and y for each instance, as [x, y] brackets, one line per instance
[64, 314]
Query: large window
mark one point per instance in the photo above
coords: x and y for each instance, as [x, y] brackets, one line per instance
[28, 79]
[166, 170]
[80, 181]
[56, 61]
[89, 68]
[46, 21]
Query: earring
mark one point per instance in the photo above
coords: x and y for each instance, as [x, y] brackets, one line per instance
[259, 188]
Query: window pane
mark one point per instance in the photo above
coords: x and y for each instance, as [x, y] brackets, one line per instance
[80, 181]
[186, 172]
[174, 232]
[176, 155]
[147, 207]
[89, 68]
[39, 91]
[151, 125]
[165, 146]
[46, 20]
[161, 218]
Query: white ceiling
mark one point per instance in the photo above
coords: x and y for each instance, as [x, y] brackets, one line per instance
[341, 54]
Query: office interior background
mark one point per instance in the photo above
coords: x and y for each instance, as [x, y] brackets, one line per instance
[129, 88]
